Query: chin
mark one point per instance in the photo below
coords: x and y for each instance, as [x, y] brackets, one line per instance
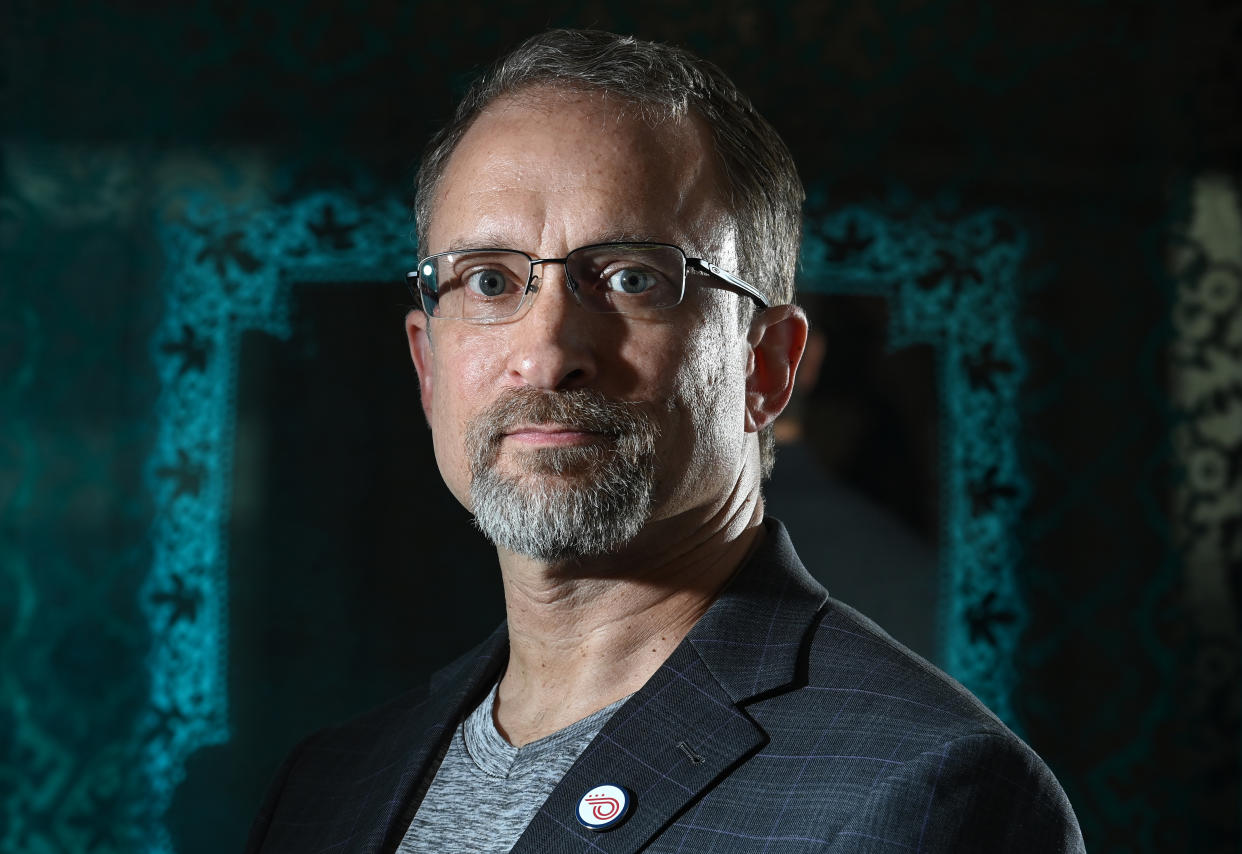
[573, 462]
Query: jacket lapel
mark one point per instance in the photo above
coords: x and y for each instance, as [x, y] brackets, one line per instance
[454, 691]
[686, 728]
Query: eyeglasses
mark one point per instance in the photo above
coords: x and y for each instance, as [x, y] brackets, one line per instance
[484, 285]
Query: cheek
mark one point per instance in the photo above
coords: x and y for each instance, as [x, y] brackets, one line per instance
[711, 391]
[464, 371]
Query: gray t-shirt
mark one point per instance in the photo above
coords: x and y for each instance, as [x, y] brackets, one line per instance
[486, 791]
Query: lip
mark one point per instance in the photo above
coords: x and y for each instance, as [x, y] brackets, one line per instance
[551, 435]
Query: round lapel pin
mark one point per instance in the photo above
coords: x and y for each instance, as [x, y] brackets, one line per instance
[603, 806]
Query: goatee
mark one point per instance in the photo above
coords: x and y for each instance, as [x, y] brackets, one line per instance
[565, 502]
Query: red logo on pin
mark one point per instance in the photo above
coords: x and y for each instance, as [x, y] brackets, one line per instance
[603, 807]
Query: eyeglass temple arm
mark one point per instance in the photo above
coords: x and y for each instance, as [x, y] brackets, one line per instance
[743, 286]
[417, 288]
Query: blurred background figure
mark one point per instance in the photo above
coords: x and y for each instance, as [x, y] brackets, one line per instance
[864, 552]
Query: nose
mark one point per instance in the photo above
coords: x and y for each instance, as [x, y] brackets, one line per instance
[553, 345]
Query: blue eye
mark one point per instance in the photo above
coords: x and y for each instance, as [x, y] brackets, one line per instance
[488, 283]
[632, 280]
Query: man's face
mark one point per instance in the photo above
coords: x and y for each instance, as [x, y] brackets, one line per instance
[545, 173]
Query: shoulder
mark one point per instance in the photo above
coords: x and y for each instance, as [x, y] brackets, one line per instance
[855, 660]
[847, 666]
[868, 746]
[324, 779]
[912, 756]
[983, 791]
[352, 782]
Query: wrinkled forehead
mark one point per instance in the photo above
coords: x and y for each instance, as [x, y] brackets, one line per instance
[541, 151]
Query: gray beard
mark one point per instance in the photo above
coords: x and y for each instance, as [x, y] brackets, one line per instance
[566, 503]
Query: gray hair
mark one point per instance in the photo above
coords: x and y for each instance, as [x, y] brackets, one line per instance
[761, 185]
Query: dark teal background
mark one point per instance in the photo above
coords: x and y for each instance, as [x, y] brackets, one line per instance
[1086, 122]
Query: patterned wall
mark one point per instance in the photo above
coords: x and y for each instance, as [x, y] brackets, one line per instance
[1206, 382]
[1048, 196]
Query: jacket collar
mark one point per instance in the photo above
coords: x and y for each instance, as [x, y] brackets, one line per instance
[751, 638]
[681, 732]
[425, 729]
[675, 736]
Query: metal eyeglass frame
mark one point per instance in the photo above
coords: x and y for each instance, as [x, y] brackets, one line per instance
[702, 265]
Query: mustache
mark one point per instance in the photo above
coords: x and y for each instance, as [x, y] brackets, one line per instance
[578, 409]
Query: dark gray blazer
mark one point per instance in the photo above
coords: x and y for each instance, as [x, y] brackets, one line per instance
[784, 722]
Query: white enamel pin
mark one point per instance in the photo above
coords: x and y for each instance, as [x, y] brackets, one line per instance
[603, 806]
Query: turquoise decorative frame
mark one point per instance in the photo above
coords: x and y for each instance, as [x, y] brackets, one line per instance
[952, 282]
[229, 270]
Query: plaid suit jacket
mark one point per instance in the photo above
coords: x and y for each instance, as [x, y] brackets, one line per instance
[784, 722]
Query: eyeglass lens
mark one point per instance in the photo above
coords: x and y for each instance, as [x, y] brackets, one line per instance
[486, 284]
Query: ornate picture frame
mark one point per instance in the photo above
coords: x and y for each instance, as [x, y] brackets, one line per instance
[951, 281]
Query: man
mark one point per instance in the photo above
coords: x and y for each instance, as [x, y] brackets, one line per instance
[609, 233]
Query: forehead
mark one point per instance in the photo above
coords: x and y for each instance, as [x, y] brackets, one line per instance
[576, 167]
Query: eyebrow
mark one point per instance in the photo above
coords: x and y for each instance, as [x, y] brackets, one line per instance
[479, 240]
[627, 237]
[499, 240]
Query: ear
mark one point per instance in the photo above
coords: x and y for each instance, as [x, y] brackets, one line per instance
[777, 339]
[812, 360]
[420, 351]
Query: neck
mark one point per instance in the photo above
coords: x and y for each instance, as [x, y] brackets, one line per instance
[586, 633]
